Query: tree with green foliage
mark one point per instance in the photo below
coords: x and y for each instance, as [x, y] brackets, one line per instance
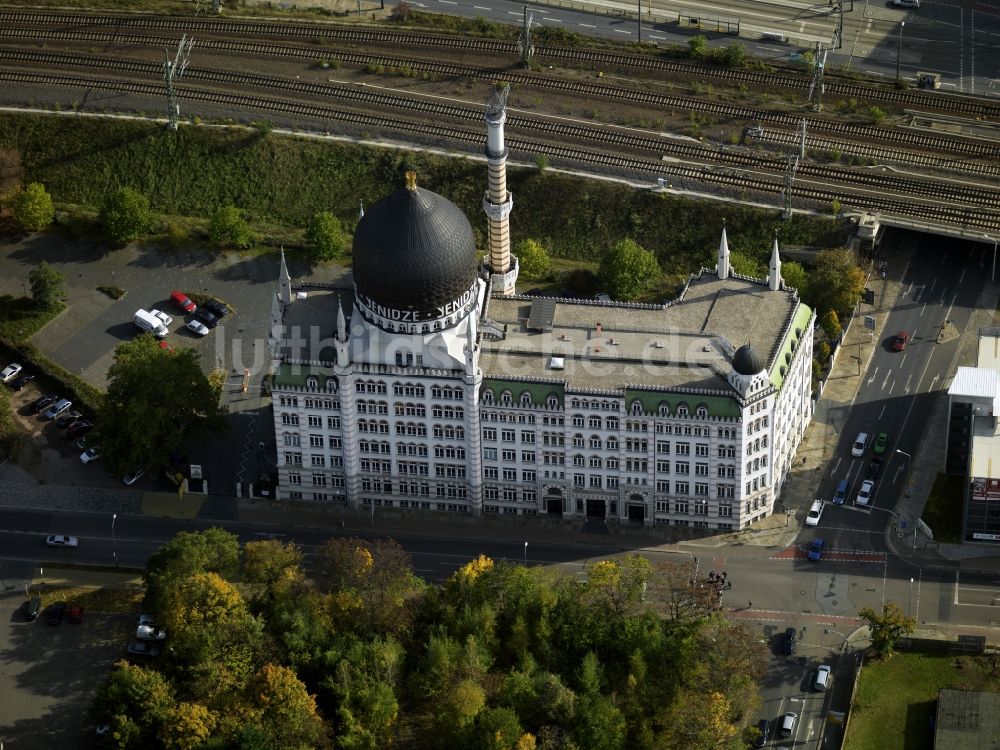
[830, 324]
[745, 265]
[835, 282]
[187, 726]
[628, 270]
[228, 228]
[795, 277]
[282, 710]
[216, 643]
[533, 259]
[125, 215]
[46, 286]
[213, 550]
[888, 627]
[878, 115]
[157, 401]
[134, 701]
[698, 47]
[363, 687]
[267, 562]
[326, 236]
[33, 208]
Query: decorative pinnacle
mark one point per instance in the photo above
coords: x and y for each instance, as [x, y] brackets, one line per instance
[411, 180]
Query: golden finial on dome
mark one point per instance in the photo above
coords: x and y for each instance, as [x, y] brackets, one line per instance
[411, 180]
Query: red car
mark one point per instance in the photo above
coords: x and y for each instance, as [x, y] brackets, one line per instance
[180, 299]
[901, 339]
[76, 614]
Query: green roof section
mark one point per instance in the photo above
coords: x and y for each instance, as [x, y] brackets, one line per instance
[721, 407]
[294, 376]
[791, 342]
[540, 392]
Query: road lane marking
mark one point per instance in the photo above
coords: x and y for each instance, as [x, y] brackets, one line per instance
[481, 7]
[922, 309]
[622, 31]
[884, 382]
[934, 283]
[872, 378]
[960, 278]
[883, 409]
[553, 20]
[587, 25]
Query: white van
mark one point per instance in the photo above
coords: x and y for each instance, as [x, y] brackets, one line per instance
[860, 443]
[814, 514]
[148, 322]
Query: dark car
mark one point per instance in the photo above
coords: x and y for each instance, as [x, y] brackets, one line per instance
[41, 402]
[22, 381]
[56, 613]
[68, 418]
[215, 307]
[32, 607]
[79, 429]
[788, 642]
[206, 318]
[764, 727]
[816, 551]
[874, 468]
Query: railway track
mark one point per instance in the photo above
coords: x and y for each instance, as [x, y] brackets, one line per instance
[954, 103]
[747, 181]
[558, 130]
[900, 138]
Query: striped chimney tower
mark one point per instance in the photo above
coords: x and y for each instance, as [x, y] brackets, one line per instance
[497, 202]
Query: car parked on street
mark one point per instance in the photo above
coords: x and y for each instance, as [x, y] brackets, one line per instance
[56, 613]
[164, 318]
[68, 418]
[215, 307]
[816, 550]
[840, 494]
[822, 681]
[787, 728]
[763, 732]
[181, 300]
[197, 328]
[22, 381]
[32, 607]
[79, 428]
[56, 409]
[788, 641]
[815, 513]
[899, 343]
[859, 445]
[150, 632]
[10, 372]
[41, 402]
[143, 648]
[874, 468]
[75, 614]
[91, 454]
[881, 443]
[58, 540]
[865, 493]
[206, 317]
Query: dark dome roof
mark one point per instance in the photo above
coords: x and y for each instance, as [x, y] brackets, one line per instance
[414, 251]
[747, 361]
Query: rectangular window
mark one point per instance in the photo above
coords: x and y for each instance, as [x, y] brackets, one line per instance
[295, 479]
[315, 441]
[663, 467]
[579, 480]
[507, 436]
[491, 472]
[612, 483]
[701, 449]
[681, 488]
[315, 421]
[294, 459]
[700, 488]
[681, 507]
[528, 475]
[663, 485]
[290, 419]
[528, 457]
[510, 475]
[528, 437]
[683, 449]
[509, 455]
[292, 439]
[595, 481]
[490, 454]
[319, 480]
[682, 467]
[701, 470]
[489, 433]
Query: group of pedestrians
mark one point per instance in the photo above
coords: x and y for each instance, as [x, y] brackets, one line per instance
[721, 583]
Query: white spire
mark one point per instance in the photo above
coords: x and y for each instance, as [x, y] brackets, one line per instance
[723, 261]
[341, 322]
[774, 282]
[284, 281]
[470, 347]
[361, 212]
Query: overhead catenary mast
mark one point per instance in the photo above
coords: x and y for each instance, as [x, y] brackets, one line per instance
[172, 70]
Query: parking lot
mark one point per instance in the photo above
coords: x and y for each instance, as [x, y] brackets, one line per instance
[83, 338]
[49, 673]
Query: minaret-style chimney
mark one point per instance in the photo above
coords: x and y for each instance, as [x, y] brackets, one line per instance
[497, 202]
[774, 280]
[723, 262]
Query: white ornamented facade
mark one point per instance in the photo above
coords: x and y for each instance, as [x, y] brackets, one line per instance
[425, 388]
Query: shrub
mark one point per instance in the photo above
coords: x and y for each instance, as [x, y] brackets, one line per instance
[228, 229]
[33, 207]
[326, 236]
[125, 215]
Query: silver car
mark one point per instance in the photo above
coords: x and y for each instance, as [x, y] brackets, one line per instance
[10, 372]
[57, 408]
[197, 328]
[56, 540]
[142, 648]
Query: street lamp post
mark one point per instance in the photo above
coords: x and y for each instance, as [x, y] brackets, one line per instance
[526, 554]
[899, 47]
[827, 631]
[114, 539]
[909, 603]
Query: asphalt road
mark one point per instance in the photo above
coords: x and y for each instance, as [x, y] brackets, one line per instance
[959, 40]
[942, 283]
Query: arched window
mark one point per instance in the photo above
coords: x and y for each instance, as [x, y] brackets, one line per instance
[664, 409]
[487, 396]
[312, 383]
[701, 412]
[552, 402]
[636, 406]
[525, 399]
[505, 399]
[331, 384]
[682, 410]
